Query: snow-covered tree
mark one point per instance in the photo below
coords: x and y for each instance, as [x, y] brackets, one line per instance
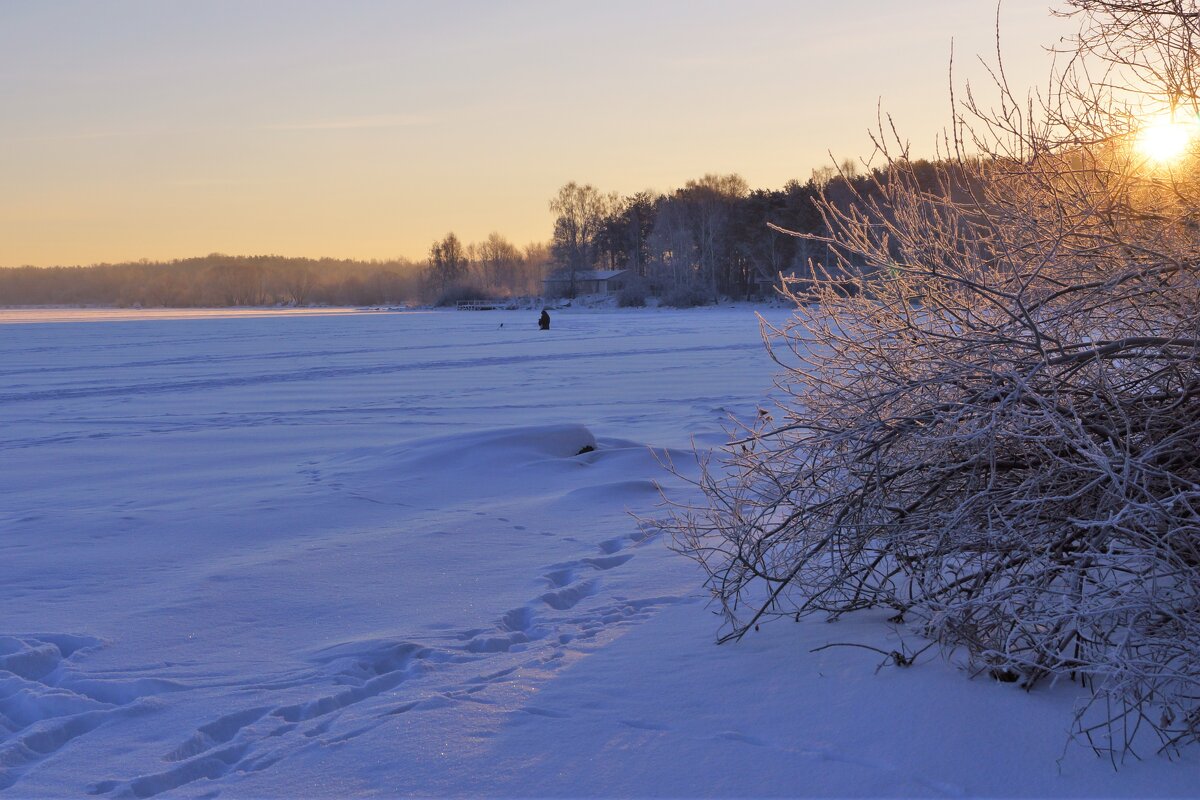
[990, 423]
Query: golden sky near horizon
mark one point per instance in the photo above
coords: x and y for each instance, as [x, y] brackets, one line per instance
[145, 129]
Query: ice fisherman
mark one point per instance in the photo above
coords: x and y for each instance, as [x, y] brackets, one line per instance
[544, 320]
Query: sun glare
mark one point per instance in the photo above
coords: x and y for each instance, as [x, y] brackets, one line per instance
[1165, 140]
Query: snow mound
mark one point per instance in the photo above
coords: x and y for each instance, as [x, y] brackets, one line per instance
[514, 445]
[486, 463]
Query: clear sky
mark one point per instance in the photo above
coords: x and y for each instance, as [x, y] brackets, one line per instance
[369, 128]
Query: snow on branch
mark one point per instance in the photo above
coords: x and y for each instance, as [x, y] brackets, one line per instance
[990, 412]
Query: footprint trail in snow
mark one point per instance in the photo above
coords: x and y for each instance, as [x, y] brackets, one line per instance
[353, 688]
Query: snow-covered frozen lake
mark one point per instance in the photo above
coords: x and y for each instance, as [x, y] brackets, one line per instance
[332, 554]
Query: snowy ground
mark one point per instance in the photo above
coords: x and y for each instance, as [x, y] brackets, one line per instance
[360, 554]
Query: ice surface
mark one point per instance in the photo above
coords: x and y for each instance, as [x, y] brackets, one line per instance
[370, 553]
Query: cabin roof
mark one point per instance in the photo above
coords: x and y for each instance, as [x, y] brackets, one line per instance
[587, 275]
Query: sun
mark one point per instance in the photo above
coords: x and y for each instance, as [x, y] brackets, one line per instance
[1165, 140]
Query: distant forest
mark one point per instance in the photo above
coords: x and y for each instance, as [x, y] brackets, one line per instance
[690, 246]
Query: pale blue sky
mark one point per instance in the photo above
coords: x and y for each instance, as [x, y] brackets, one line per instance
[162, 128]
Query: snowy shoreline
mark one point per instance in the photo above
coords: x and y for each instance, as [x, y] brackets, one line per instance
[35, 314]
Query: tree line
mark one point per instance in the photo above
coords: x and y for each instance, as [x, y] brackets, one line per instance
[688, 246]
[215, 280]
[489, 269]
[493, 267]
[713, 237]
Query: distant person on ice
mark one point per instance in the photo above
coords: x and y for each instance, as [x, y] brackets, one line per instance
[544, 320]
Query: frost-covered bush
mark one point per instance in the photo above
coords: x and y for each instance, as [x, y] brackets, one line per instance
[461, 293]
[632, 295]
[686, 295]
[997, 436]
